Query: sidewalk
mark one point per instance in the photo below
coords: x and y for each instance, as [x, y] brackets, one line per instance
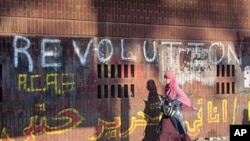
[212, 139]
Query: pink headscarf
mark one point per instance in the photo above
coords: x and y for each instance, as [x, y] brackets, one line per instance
[173, 91]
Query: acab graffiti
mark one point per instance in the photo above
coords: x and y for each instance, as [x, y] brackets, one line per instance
[62, 83]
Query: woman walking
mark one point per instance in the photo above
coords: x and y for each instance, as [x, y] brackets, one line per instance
[172, 124]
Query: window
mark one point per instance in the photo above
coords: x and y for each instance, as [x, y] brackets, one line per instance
[115, 89]
[225, 83]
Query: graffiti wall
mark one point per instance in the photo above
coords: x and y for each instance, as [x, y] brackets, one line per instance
[92, 88]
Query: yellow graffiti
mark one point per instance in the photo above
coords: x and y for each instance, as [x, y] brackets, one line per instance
[248, 107]
[154, 105]
[149, 120]
[62, 83]
[51, 80]
[196, 125]
[213, 115]
[32, 80]
[40, 107]
[4, 136]
[22, 81]
[70, 119]
[111, 127]
[234, 110]
[224, 110]
[146, 121]
[134, 123]
[66, 83]
[195, 130]
[70, 116]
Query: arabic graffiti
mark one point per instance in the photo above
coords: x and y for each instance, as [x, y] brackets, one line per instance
[71, 118]
[109, 129]
[5, 136]
[186, 58]
[197, 124]
[213, 115]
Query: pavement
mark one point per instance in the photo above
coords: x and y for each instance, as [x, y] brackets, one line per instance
[212, 139]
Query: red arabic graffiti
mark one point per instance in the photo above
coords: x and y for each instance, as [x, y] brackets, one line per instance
[71, 116]
[5, 136]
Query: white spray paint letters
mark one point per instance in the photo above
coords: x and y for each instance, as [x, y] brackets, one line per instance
[50, 48]
[23, 50]
[22, 44]
[100, 48]
[81, 57]
[53, 52]
[145, 54]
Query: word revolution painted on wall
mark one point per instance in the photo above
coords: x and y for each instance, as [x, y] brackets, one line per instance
[52, 50]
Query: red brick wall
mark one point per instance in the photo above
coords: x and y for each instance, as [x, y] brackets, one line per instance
[49, 93]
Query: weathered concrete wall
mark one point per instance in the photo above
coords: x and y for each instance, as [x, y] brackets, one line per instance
[92, 70]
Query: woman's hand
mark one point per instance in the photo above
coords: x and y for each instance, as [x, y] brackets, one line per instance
[195, 108]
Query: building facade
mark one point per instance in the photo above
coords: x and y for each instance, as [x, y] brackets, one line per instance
[93, 69]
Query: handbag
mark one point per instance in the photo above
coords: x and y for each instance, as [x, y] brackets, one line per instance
[167, 107]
